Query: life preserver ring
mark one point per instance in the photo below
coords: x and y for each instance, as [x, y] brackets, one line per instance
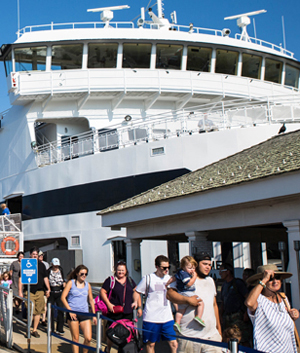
[10, 252]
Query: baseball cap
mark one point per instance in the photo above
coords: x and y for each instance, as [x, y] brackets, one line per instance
[55, 261]
[41, 253]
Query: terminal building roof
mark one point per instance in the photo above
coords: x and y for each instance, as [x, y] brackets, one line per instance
[278, 155]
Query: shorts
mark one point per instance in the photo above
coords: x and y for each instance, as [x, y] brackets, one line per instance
[164, 330]
[38, 302]
[79, 317]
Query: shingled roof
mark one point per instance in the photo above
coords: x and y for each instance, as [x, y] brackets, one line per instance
[278, 155]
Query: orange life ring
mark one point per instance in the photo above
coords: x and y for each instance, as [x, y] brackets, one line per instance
[12, 252]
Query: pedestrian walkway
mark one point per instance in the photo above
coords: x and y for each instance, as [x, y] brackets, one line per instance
[39, 345]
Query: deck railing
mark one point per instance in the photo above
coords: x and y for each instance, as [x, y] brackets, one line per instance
[181, 28]
[202, 119]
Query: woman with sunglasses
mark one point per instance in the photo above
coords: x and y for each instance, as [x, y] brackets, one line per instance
[270, 312]
[117, 294]
[76, 296]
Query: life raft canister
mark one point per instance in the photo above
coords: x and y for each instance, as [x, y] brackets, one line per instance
[8, 251]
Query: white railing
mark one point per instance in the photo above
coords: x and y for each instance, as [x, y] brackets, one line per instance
[263, 43]
[181, 28]
[201, 119]
[6, 315]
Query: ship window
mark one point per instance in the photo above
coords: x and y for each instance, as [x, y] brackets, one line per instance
[66, 57]
[168, 56]
[198, 59]
[102, 55]
[273, 69]
[136, 55]
[30, 59]
[226, 62]
[8, 64]
[291, 76]
[251, 66]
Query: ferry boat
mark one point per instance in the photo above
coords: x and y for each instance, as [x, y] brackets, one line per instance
[102, 111]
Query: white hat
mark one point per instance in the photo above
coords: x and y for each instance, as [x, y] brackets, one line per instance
[55, 261]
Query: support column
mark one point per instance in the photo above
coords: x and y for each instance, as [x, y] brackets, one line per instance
[198, 242]
[293, 230]
[133, 259]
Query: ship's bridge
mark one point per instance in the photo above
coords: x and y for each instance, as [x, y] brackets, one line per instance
[183, 65]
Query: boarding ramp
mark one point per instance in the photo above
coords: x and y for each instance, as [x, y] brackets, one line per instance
[207, 118]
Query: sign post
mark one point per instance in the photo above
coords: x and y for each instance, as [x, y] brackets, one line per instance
[29, 275]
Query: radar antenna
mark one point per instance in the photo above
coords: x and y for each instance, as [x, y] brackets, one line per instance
[243, 21]
[107, 13]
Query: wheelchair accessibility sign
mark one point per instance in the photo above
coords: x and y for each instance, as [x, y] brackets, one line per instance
[29, 271]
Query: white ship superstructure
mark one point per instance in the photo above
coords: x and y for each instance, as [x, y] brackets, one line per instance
[102, 111]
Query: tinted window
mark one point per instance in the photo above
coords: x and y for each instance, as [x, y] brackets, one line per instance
[31, 58]
[291, 76]
[273, 69]
[136, 55]
[102, 55]
[65, 57]
[226, 62]
[198, 59]
[8, 64]
[168, 56]
[251, 66]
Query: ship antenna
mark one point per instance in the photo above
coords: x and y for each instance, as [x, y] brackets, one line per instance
[160, 8]
[243, 21]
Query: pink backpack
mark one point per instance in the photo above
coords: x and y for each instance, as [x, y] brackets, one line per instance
[122, 331]
[99, 303]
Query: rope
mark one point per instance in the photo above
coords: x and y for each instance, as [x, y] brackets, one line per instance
[197, 340]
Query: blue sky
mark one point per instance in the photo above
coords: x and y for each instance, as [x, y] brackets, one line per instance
[208, 14]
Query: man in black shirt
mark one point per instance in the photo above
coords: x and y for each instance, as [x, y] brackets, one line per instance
[37, 291]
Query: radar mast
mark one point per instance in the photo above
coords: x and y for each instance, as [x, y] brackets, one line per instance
[107, 13]
[243, 21]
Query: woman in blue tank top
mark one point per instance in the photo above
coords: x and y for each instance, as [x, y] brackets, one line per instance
[76, 296]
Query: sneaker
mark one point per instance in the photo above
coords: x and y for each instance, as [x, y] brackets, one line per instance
[177, 327]
[200, 321]
[35, 334]
[60, 333]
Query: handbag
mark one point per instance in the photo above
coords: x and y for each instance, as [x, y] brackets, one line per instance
[99, 303]
[297, 338]
[118, 309]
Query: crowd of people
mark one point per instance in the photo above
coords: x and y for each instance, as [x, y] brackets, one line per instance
[253, 310]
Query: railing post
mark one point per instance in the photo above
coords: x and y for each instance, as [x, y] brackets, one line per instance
[49, 328]
[98, 332]
[9, 318]
[233, 345]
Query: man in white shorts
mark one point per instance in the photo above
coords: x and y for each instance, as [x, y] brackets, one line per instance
[205, 290]
[157, 315]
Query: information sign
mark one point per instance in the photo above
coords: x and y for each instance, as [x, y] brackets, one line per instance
[29, 271]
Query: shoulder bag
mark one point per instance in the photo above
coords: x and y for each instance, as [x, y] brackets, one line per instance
[99, 303]
[283, 296]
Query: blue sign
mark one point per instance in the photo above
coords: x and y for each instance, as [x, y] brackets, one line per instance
[29, 271]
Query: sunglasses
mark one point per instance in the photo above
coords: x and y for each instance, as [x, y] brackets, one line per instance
[277, 277]
[165, 267]
[83, 274]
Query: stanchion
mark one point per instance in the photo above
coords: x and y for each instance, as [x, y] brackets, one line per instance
[28, 318]
[98, 332]
[233, 345]
[49, 328]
